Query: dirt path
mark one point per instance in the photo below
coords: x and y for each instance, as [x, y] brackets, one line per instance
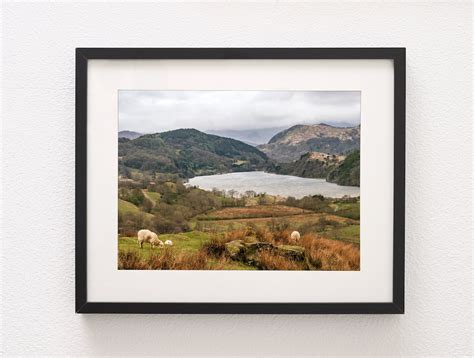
[145, 193]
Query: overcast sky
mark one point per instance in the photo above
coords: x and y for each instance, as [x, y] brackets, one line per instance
[159, 111]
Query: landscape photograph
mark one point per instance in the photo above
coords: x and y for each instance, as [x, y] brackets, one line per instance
[239, 180]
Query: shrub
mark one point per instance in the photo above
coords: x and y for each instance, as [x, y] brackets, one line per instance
[130, 260]
[167, 260]
[282, 236]
[240, 234]
[278, 225]
[216, 246]
[146, 205]
[330, 255]
[264, 234]
[163, 225]
[271, 261]
[130, 223]
[135, 196]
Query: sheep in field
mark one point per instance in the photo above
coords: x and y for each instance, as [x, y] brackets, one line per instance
[156, 242]
[169, 242]
[148, 236]
[295, 236]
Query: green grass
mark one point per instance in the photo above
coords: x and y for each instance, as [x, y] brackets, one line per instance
[350, 233]
[185, 242]
[348, 210]
[125, 208]
[153, 196]
[189, 241]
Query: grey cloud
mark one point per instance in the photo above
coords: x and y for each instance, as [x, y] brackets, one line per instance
[158, 111]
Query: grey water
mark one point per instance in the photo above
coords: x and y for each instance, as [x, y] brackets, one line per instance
[273, 184]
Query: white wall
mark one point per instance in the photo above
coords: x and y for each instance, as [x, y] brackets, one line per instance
[38, 176]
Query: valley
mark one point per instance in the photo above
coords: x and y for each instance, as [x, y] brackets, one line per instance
[226, 205]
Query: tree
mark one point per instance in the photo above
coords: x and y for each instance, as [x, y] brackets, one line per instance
[250, 193]
[262, 199]
[147, 205]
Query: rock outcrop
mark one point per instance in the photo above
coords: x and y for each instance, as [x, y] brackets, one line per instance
[248, 251]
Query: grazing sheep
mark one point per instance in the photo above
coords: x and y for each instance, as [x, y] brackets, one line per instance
[148, 236]
[169, 242]
[295, 236]
[156, 242]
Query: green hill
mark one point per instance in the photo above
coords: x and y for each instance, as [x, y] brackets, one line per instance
[334, 168]
[188, 152]
[348, 172]
[309, 165]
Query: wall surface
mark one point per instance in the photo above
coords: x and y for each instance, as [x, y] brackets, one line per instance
[38, 176]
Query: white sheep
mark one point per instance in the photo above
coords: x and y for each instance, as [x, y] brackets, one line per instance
[169, 242]
[148, 236]
[295, 236]
[156, 242]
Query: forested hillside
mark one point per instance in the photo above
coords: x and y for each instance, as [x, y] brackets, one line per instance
[334, 168]
[348, 172]
[188, 152]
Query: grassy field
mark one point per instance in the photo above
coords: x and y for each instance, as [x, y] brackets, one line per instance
[348, 210]
[328, 225]
[185, 243]
[189, 241]
[332, 241]
[349, 233]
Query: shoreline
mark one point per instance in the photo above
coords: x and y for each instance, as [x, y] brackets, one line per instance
[186, 180]
[272, 184]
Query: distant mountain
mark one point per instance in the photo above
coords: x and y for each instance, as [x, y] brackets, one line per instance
[129, 134]
[290, 144]
[189, 152]
[251, 136]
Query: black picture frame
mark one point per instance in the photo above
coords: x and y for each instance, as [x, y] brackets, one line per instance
[394, 307]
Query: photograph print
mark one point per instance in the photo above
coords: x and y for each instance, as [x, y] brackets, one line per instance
[239, 180]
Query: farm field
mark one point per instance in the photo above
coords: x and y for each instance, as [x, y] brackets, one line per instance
[256, 211]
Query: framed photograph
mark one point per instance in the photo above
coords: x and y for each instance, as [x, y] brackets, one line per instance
[240, 180]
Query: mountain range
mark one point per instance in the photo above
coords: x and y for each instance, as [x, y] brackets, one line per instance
[312, 151]
[129, 134]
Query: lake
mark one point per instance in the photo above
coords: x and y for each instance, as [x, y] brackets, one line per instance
[273, 184]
